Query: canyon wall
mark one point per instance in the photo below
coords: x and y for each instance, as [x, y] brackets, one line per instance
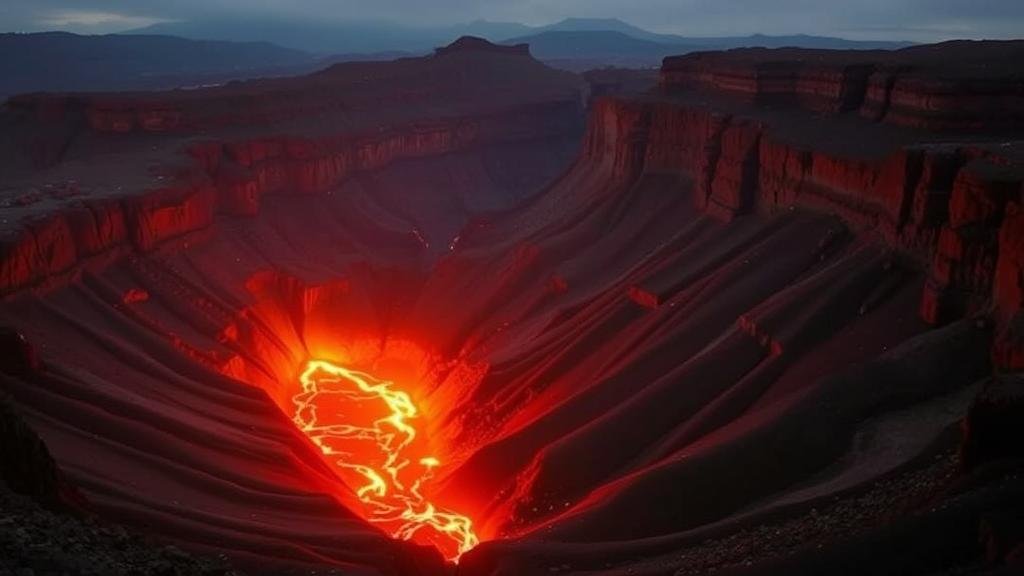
[230, 177]
[948, 200]
[710, 279]
[952, 85]
[359, 166]
[219, 151]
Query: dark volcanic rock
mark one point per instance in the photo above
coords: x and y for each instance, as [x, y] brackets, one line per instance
[36, 541]
[26, 466]
[17, 355]
[994, 427]
[1001, 533]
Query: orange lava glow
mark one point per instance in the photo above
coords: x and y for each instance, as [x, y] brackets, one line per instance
[369, 429]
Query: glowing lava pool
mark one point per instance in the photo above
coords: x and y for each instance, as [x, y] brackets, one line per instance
[368, 428]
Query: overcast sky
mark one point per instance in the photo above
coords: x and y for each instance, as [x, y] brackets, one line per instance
[917, 20]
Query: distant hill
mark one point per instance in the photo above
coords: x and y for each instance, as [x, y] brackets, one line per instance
[337, 37]
[720, 42]
[583, 43]
[610, 25]
[59, 61]
[308, 36]
[378, 36]
[580, 50]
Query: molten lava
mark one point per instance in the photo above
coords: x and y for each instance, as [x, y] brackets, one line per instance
[371, 428]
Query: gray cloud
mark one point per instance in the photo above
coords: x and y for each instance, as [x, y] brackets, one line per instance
[921, 20]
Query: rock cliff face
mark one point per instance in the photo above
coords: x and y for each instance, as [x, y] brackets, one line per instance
[411, 149]
[220, 150]
[746, 297]
[958, 85]
[727, 122]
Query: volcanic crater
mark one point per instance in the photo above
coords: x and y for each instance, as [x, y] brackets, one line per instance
[392, 315]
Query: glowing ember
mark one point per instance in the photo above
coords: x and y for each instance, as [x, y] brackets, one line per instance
[370, 427]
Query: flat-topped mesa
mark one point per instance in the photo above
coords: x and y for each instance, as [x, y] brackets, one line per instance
[476, 44]
[960, 85]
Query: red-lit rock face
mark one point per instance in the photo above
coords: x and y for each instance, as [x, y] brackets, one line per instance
[246, 471]
[395, 341]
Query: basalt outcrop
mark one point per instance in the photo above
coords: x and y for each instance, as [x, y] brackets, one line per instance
[747, 298]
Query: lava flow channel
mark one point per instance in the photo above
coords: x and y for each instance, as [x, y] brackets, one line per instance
[368, 428]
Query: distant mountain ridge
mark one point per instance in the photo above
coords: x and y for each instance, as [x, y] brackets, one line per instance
[377, 36]
[720, 42]
[580, 49]
[337, 37]
[606, 25]
[65, 62]
[180, 54]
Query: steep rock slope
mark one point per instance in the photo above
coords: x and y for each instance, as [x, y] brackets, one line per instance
[86, 174]
[783, 355]
[724, 312]
[385, 161]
